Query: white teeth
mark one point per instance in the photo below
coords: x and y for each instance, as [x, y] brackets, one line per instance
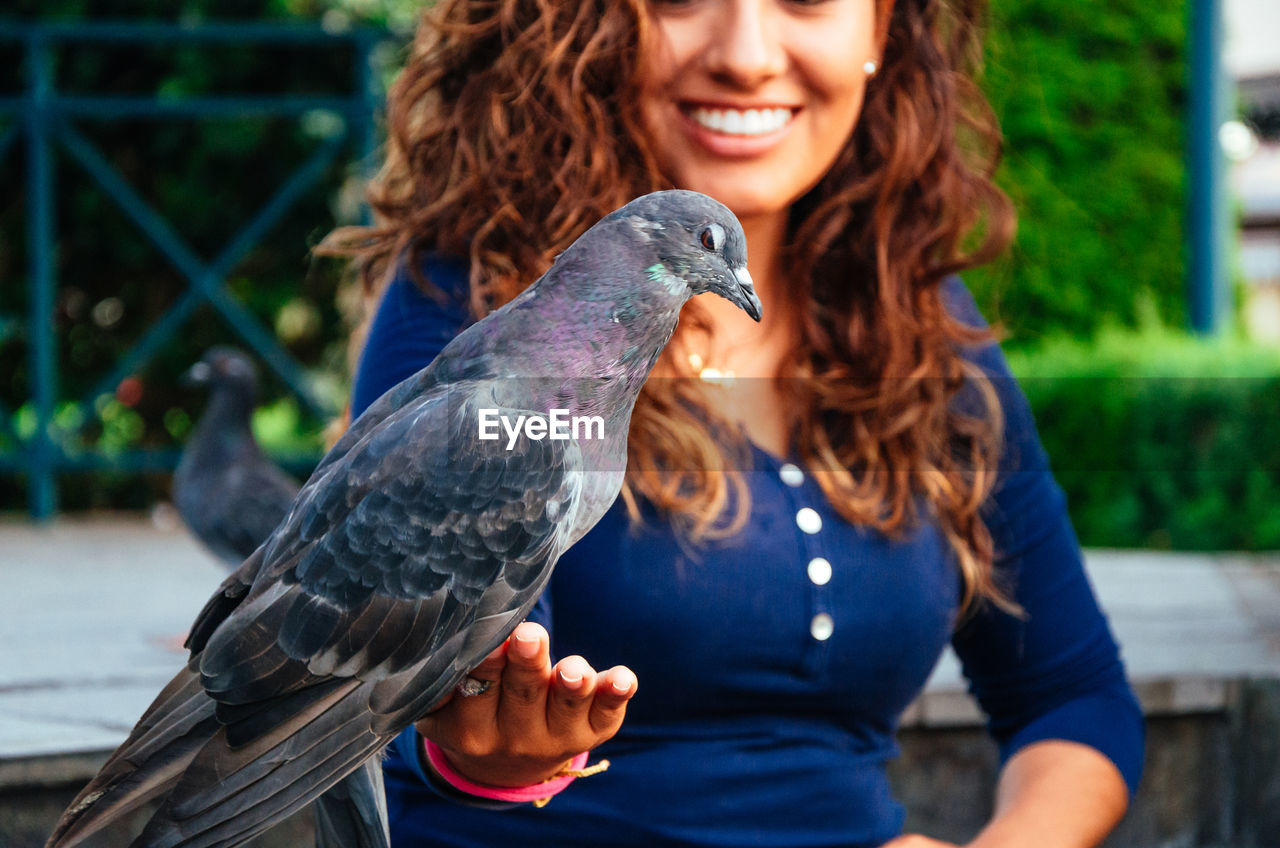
[748, 122]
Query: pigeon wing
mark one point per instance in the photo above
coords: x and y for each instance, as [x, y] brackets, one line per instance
[397, 571]
[419, 517]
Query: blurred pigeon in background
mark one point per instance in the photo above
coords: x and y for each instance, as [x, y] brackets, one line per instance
[226, 490]
[417, 545]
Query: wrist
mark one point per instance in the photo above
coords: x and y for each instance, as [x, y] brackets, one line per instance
[538, 792]
[498, 771]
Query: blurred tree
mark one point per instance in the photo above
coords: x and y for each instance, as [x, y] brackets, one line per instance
[207, 177]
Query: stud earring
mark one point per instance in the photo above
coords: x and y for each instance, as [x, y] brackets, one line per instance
[870, 67]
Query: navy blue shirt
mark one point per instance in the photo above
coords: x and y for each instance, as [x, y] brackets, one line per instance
[774, 666]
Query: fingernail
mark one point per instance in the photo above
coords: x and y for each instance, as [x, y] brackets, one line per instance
[571, 681]
[527, 648]
[622, 687]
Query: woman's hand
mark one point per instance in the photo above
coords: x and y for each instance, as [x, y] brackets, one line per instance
[533, 719]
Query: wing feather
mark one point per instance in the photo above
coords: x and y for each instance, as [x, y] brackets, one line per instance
[409, 555]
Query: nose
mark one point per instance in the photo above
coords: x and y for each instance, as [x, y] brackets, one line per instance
[746, 50]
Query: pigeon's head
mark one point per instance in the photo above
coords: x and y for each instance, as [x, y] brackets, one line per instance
[698, 244]
[224, 368]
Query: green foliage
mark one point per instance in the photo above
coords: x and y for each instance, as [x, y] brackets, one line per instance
[1161, 440]
[208, 177]
[399, 16]
[1090, 96]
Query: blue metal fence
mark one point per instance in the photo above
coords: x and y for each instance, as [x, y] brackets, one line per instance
[43, 118]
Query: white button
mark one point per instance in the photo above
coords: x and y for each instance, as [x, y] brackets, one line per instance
[809, 521]
[821, 627]
[819, 571]
[791, 475]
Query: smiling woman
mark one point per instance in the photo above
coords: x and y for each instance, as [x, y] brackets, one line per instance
[752, 102]
[799, 538]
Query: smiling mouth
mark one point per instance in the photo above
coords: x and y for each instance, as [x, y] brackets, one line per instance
[740, 122]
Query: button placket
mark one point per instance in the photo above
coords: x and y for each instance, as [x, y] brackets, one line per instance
[821, 624]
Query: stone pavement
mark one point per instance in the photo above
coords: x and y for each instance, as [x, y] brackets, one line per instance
[89, 604]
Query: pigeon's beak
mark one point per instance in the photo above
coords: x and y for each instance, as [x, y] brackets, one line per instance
[745, 293]
[197, 375]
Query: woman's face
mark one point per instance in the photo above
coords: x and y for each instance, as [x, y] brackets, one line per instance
[750, 101]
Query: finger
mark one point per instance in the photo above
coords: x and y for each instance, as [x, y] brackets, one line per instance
[455, 711]
[491, 668]
[614, 689]
[522, 699]
[573, 683]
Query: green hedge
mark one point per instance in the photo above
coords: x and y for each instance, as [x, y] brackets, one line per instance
[1091, 96]
[1161, 440]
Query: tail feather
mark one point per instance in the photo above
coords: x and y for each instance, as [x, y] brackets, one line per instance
[172, 732]
[186, 715]
[261, 787]
[233, 825]
[104, 804]
[222, 771]
[205, 793]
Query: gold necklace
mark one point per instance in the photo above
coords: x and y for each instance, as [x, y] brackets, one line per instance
[708, 374]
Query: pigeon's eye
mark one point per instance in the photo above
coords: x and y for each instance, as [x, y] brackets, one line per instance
[712, 237]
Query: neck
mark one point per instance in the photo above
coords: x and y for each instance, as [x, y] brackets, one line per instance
[737, 343]
[597, 361]
[227, 411]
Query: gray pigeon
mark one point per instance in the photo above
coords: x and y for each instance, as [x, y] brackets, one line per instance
[417, 545]
[231, 497]
[226, 490]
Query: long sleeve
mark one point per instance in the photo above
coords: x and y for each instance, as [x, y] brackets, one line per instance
[1055, 673]
[409, 330]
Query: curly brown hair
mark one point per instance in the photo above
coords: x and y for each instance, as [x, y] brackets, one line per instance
[515, 125]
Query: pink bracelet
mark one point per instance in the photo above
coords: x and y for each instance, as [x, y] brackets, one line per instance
[538, 793]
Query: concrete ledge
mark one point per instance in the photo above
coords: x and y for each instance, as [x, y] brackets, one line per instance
[1191, 695]
[49, 772]
[1187, 695]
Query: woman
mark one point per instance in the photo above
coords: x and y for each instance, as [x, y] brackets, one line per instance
[795, 545]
